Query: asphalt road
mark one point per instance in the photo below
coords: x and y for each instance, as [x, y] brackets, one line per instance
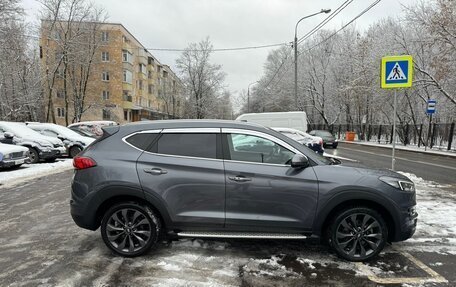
[441, 169]
[41, 246]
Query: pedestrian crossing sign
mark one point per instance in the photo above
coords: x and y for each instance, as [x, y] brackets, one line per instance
[396, 72]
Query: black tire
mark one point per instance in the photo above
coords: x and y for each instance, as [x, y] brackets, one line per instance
[74, 150]
[334, 146]
[358, 233]
[130, 238]
[34, 156]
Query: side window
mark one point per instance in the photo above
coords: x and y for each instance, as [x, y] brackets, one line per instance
[49, 133]
[142, 140]
[250, 148]
[190, 144]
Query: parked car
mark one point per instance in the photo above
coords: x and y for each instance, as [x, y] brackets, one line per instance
[40, 147]
[74, 142]
[13, 156]
[292, 120]
[190, 178]
[314, 143]
[328, 138]
[94, 127]
[83, 132]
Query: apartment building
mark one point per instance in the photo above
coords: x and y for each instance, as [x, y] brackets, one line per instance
[126, 82]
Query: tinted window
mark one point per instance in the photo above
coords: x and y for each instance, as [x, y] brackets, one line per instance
[257, 149]
[143, 140]
[191, 144]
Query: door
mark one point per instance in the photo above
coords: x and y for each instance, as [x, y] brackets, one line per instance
[184, 168]
[263, 191]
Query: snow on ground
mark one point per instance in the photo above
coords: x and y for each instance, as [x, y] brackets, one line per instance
[9, 178]
[436, 207]
[399, 146]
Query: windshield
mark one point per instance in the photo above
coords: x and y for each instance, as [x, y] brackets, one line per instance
[66, 132]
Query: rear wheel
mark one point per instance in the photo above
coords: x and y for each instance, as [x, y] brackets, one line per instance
[358, 233]
[130, 229]
[34, 156]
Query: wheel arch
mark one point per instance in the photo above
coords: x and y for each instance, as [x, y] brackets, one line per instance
[335, 206]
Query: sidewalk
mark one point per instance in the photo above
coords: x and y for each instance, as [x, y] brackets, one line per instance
[450, 153]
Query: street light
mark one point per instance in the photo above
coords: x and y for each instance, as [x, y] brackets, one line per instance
[248, 96]
[296, 52]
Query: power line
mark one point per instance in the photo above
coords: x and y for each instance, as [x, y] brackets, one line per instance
[319, 43]
[326, 20]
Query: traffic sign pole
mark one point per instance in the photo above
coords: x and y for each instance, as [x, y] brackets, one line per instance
[393, 157]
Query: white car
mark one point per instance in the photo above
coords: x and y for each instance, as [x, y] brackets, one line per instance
[40, 147]
[313, 142]
[93, 127]
[74, 142]
[13, 155]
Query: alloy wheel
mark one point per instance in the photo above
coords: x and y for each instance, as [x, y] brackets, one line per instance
[128, 230]
[359, 235]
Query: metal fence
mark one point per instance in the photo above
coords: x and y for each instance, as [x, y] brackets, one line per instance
[436, 135]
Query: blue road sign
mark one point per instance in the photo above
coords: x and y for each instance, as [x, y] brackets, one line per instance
[396, 72]
[431, 106]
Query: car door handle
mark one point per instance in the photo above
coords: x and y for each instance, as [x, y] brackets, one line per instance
[240, 178]
[155, 171]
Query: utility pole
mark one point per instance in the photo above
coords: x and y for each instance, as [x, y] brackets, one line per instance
[295, 45]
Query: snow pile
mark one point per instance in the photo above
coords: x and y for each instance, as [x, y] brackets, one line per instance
[27, 172]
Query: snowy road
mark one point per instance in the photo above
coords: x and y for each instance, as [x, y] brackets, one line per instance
[41, 246]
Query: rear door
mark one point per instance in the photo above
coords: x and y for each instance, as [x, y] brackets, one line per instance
[263, 191]
[184, 167]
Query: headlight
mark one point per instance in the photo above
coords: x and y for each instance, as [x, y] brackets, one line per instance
[7, 156]
[399, 183]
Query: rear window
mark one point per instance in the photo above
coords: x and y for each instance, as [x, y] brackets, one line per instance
[192, 144]
[142, 140]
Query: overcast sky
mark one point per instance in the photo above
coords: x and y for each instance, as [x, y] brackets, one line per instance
[229, 23]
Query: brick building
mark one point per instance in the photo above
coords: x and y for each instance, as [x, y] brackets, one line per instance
[126, 82]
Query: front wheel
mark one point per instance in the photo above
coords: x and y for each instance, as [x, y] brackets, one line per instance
[358, 233]
[130, 229]
[34, 156]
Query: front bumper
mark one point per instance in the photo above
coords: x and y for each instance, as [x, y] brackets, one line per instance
[63, 151]
[48, 153]
[14, 162]
[408, 225]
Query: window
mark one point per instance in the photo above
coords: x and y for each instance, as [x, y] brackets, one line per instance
[104, 36]
[250, 148]
[142, 68]
[60, 94]
[159, 81]
[127, 56]
[105, 76]
[150, 60]
[142, 140]
[49, 133]
[105, 56]
[191, 144]
[105, 95]
[106, 114]
[127, 76]
[60, 112]
[126, 96]
[149, 74]
[140, 85]
[150, 89]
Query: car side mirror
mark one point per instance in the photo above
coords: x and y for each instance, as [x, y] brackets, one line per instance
[8, 135]
[299, 161]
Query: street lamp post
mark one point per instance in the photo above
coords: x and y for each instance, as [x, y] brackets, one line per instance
[248, 96]
[296, 53]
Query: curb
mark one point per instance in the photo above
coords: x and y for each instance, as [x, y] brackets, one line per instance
[453, 155]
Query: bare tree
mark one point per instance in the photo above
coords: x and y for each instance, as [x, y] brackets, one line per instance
[202, 80]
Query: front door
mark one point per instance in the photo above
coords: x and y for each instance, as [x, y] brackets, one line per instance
[263, 192]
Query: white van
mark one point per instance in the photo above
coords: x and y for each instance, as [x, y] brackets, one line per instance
[292, 120]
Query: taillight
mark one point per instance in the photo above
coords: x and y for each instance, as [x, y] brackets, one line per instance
[80, 162]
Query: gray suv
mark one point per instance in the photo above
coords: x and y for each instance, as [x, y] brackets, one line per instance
[225, 179]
